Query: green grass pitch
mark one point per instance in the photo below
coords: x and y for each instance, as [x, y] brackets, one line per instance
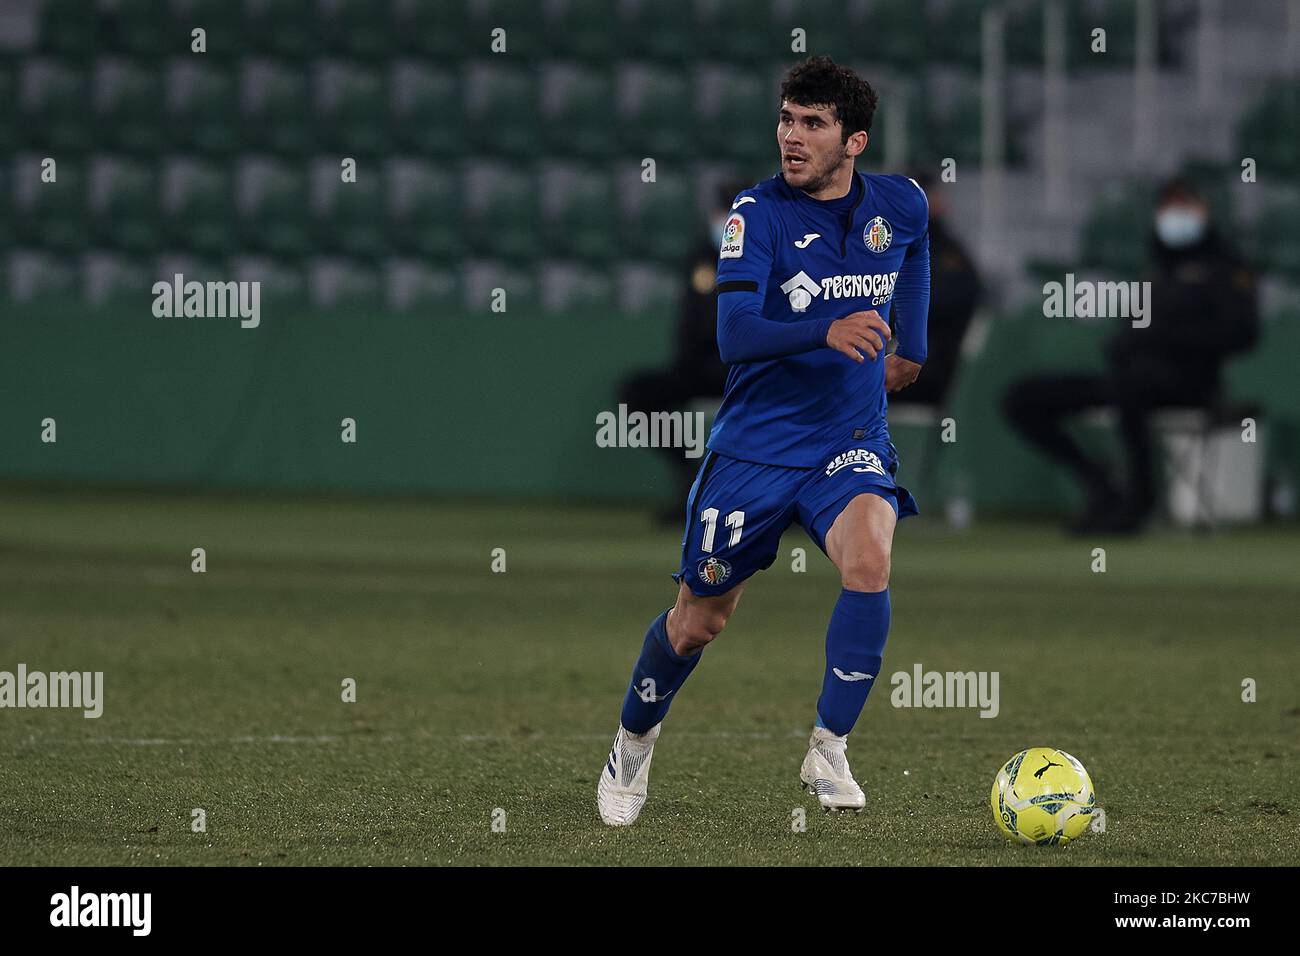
[480, 690]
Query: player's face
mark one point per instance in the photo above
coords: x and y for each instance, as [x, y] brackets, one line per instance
[810, 144]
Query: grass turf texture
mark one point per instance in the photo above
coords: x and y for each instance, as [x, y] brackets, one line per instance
[478, 690]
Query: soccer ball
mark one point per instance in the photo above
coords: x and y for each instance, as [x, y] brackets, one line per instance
[1042, 796]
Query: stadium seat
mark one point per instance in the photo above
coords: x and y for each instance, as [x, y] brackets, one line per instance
[1115, 232]
[1270, 132]
[8, 106]
[662, 30]
[433, 31]
[56, 217]
[276, 99]
[200, 209]
[655, 112]
[583, 29]
[203, 107]
[273, 208]
[39, 275]
[112, 277]
[424, 210]
[350, 217]
[357, 28]
[661, 221]
[283, 28]
[351, 108]
[426, 106]
[900, 34]
[567, 288]
[502, 108]
[128, 95]
[1277, 246]
[481, 278]
[53, 104]
[414, 286]
[70, 28]
[502, 217]
[522, 21]
[577, 108]
[578, 212]
[737, 116]
[124, 198]
[222, 21]
[740, 31]
[647, 289]
[338, 283]
[137, 27]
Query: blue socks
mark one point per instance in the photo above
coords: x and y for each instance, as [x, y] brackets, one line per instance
[855, 641]
[659, 673]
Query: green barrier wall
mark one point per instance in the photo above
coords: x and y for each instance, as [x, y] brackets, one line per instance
[457, 404]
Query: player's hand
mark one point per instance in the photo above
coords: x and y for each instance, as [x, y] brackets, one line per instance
[899, 372]
[858, 334]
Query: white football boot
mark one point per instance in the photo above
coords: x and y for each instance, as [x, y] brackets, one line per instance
[620, 795]
[825, 772]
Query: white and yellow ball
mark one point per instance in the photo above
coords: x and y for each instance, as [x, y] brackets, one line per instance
[1043, 796]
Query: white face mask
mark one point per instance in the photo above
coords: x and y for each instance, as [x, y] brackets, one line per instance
[1179, 226]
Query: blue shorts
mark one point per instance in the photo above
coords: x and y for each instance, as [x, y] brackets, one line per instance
[738, 510]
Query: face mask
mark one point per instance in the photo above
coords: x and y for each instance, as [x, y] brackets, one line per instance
[1179, 227]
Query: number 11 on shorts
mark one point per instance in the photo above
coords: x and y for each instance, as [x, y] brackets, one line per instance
[735, 521]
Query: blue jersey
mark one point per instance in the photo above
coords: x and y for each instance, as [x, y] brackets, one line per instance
[788, 267]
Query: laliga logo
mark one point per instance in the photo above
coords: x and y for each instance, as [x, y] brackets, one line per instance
[800, 289]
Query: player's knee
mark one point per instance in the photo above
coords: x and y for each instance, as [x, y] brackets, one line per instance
[696, 628]
[867, 569]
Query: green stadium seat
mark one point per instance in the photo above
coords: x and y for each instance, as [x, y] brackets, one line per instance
[583, 29]
[1277, 247]
[519, 284]
[112, 278]
[43, 275]
[138, 27]
[127, 99]
[274, 215]
[6, 210]
[578, 213]
[663, 30]
[424, 209]
[416, 287]
[740, 32]
[125, 205]
[201, 211]
[203, 107]
[900, 34]
[522, 21]
[284, 28]
[740, 122]
[221, 20]
[427, 110]
[1270, 133]
[352, 113]
[283, 281]
[358, 28]
[662, 220]
[54, 118]
[655, 107]
[502, 110]
[56, 217]
[1115, 233]
[351, 220]
[568, 288]
[339, 283]
[277, 107]
[9, 139]
[435, 31]
[502, 219]
[577, 113]
[70, 28]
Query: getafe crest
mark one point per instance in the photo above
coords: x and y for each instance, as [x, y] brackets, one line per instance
[878, 234]
[714, 570]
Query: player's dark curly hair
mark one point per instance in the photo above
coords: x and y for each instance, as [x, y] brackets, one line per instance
[818, 82]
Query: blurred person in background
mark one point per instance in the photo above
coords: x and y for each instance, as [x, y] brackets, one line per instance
[1202, 310]
[954, 293]
[696, 371]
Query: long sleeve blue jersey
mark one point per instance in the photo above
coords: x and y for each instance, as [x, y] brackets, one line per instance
[788, 267]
